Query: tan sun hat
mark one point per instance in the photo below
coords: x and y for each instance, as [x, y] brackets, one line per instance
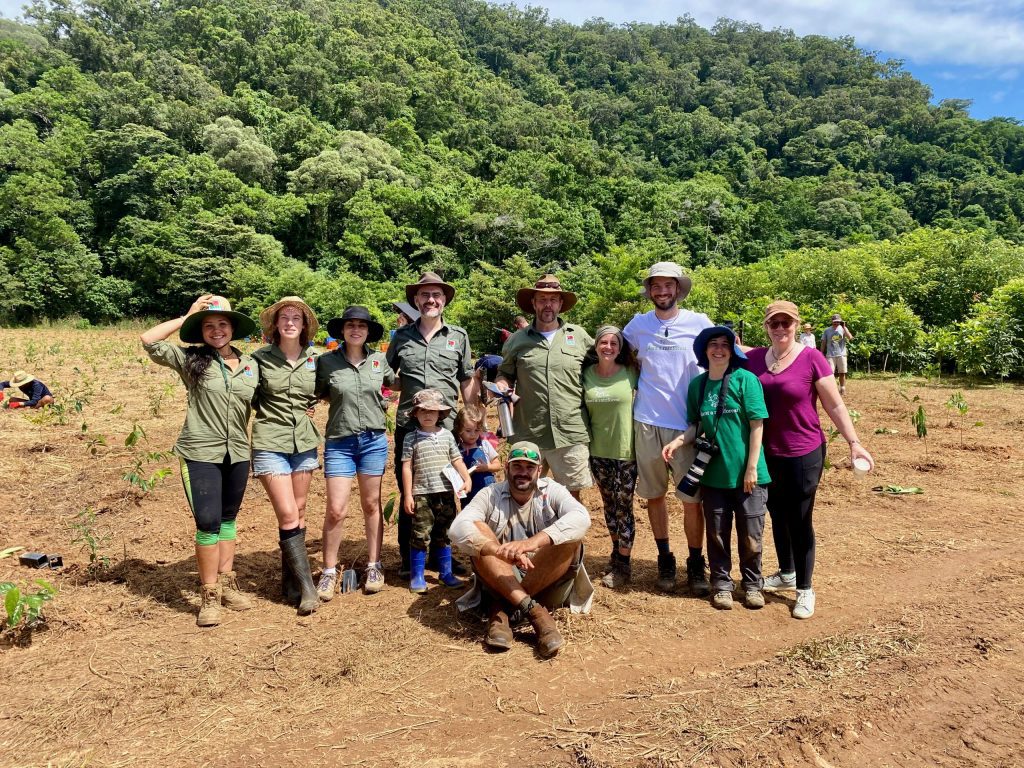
[668, 269]
[429, 278]
[268, 317]
[191, 331]
[21, 378]
[782, 308]
[526, 451]
[547, 284]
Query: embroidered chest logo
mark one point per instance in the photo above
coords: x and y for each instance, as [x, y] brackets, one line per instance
[310, 364]
[570, 340]
[375, 365]
[451, 344]
[247, 371]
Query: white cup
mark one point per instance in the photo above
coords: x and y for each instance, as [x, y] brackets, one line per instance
[861, 466]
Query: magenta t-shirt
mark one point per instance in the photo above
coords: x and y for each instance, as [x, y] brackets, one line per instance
[793, 427]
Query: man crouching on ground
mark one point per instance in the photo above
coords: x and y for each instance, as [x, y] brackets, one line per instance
[525, 537]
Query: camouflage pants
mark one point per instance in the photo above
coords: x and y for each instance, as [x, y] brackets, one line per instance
[432, 516]
[617, 480]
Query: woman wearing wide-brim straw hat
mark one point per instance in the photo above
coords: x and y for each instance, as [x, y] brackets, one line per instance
[350, 378]
[794, 378]
[213, 446]
[284, 438]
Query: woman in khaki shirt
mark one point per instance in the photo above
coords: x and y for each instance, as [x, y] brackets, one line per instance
[213, 446]
[284, 438]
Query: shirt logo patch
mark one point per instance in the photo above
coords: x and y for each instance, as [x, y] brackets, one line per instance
[247, 371]
[451, 344]
[375, 365]
[310, 364]
[570, 340]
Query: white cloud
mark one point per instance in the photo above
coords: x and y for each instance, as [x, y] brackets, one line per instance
[966, 32]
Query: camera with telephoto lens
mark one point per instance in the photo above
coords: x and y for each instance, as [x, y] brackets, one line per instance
[705, 451]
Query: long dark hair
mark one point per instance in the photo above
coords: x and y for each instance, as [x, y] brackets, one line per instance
[626, 356]
[197, 359]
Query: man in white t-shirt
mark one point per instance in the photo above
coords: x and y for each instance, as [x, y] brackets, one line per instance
[663, 340]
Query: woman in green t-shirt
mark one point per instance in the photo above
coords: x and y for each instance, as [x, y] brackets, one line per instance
[726, 405]
[609, 381]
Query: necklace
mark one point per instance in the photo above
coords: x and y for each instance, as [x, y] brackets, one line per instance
[774, 367]
[666, 324]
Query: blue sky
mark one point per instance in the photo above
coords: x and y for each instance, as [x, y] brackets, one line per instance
[963, 49]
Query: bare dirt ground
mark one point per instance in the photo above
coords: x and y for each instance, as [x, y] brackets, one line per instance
[914, 657]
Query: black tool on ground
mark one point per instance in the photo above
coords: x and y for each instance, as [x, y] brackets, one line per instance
[56, 561]
[34, 560]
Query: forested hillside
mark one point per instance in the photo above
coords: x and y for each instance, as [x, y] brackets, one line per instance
[334, 148]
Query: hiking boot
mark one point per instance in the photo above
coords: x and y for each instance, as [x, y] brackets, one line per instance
[231, 596]
[696, 576]
[499, 631]
[549, 640]
[209, 608]
[618, 576]
[804, 607]
[666, 572]
[780, 582]
[753, 599]
[374, 578]
[327, 585]
[722, 600]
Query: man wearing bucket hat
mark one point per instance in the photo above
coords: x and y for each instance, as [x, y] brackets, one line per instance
[543, 362]
[36, 394]
[833, 347]
[525, 537]
[663, 340]
[284, 438]
[213, 445]
[428, 354]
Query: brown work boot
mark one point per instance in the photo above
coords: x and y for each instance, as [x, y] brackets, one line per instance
[499, 631]
[209, 608]
[549, 640]
[231, 596]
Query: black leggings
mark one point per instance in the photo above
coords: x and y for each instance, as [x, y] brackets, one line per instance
[214, 491]
[791, 505]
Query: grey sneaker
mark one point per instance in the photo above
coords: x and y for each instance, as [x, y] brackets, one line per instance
[722, 600]
[804, 607]
[374, 578]
[753, 599]
[327, 586]
[780, 582]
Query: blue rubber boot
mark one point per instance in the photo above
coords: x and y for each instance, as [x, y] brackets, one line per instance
[417, 565]
[444, 568]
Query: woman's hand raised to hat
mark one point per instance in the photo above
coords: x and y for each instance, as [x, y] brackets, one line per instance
[203, 302]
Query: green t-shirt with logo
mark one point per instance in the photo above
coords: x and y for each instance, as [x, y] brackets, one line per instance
[743, 402]
[610, 405]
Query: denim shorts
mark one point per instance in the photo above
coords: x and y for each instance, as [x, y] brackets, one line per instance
[280, 463]
[362, 454]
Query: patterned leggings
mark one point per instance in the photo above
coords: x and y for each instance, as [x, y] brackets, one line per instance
[617, 480]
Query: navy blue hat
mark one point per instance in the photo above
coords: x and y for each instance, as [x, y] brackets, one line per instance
[700, 344]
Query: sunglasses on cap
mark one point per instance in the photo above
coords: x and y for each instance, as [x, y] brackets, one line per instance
[524, 453]
[776, 324]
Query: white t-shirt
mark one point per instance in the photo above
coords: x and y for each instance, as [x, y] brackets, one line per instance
[667, 364]
[807, 339]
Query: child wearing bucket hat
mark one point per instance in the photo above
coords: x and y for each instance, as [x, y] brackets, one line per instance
[35, 393]
[428, 497]
[285, 439]
[213, 445]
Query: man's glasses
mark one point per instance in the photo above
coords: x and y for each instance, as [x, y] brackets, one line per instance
[777, 324]
[524, 453]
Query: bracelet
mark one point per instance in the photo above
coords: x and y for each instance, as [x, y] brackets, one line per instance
[854, 442]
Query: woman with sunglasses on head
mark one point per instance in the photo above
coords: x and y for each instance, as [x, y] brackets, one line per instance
[284, 438]
[794, 378]
[213, 446]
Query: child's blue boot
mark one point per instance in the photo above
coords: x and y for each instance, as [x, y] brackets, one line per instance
[417, 565]
[444, 568]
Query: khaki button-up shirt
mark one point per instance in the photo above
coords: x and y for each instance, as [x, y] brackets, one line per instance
[356, 402]
[441, 364]
[548, 379]
[219, 407]
[284, 393]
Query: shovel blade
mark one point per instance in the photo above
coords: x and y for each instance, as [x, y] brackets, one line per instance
[349, 580]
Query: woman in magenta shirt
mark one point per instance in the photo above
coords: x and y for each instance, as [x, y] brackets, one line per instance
[794, 377]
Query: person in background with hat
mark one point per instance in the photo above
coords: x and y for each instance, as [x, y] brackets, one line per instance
[726, 406]
[663, 340]
[543, 362]
[807, 336]
[525, 536]
[427, 493]
[213, 446]
[833, 347]
[36, 393]
[284, 438]
[407, 314]
[794, 378]
[351, 378]
[428, 354]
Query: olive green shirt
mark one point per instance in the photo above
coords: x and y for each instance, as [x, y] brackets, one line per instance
[217, 419]
[548, 379]
[356, 402]
[442, 364]
[284, 393]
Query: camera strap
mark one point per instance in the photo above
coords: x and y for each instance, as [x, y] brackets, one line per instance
[720, 408]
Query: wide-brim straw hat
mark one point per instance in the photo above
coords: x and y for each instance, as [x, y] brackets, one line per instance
[21, 378]
[547, 284]
[268, 317]
[429, 278]
[191, 331]
[668, 269]
[336, 325]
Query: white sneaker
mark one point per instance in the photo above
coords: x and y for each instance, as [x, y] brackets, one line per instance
[804, 607]
[780, 582]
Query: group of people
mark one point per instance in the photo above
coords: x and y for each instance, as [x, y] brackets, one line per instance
[670, 394]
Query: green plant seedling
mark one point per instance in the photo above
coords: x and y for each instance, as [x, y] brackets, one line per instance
[958, 403]
[93, 539]
[920, 421]
[24, 609]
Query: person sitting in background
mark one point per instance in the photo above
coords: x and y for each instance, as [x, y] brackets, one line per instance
[36, 393]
